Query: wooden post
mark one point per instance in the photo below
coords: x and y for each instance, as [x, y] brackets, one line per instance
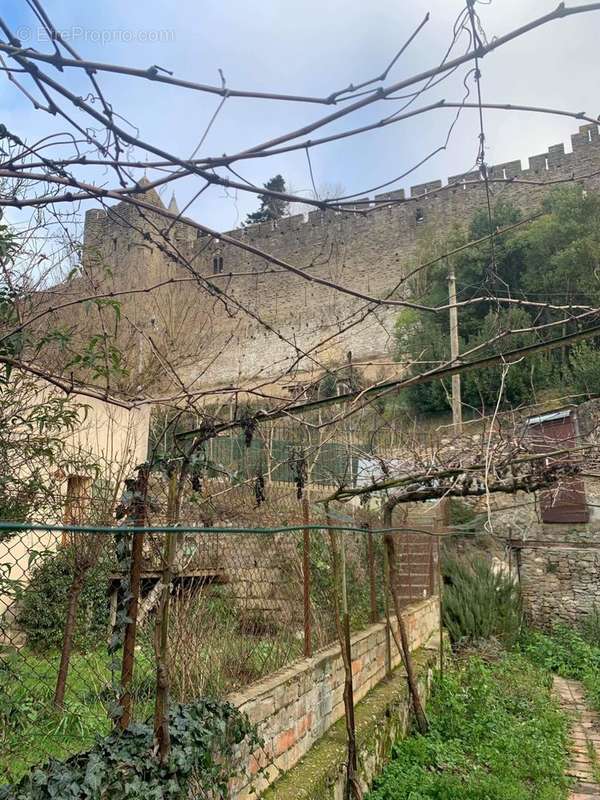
[162, 734]
[68, 636]
[388, 624]
[455, 352]
[348, 682]
[342, 622]
[440, 588]
[306, 578]
[135, 581]
[431, 567]
[372, 584]
[112, 619]
[404, 648]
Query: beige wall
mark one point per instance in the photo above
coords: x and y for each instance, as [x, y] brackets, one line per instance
[113, 438]
[117, 437]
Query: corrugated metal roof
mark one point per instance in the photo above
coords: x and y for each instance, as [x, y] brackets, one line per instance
[549, 417]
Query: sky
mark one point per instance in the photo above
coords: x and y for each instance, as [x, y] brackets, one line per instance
[315, 47]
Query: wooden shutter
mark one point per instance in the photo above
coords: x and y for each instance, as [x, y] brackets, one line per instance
[567, 502]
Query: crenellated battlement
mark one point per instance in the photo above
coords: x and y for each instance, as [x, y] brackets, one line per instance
[368, 253]
[546, 166]
[555, 163]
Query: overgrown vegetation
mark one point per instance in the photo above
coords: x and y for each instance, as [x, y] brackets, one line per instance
[44, 602]
[357, 584]
[205, 737]
[495, 733]
[559, 251]
[215, 647]
[480, 602]
[495, 730]
[569, 653]
[32, 728]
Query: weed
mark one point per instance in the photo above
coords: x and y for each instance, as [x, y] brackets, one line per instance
[32, 729]
[568, 653]
[495, 733]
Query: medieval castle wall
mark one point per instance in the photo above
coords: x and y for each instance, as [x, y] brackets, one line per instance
[370, 253]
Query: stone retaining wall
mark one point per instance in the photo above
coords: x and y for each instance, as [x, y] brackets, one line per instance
[296, 706]
[382, 718]
[559, 581]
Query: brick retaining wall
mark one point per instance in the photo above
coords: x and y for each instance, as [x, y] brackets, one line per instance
[294, 707]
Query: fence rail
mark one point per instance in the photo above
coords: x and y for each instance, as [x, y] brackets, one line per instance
[81, 603]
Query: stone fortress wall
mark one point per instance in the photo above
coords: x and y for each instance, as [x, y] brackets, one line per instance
[370, 253]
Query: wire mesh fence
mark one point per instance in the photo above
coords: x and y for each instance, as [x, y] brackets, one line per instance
[250, 582]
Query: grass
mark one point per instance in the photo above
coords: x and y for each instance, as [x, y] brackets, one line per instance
[208, 662]
[569, 653]
[496, 734]
[32, 730]
[572, 654]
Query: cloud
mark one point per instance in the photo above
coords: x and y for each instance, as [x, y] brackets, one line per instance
[315, 47]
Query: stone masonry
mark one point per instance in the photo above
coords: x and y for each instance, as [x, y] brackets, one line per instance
[557, 564]
[370, 253]
[294, 707]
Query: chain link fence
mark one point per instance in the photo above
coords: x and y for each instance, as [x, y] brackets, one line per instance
[249, 578]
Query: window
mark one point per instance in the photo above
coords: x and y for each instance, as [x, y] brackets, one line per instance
[419, 216]
[217, 265]
[565, 503]
[77, 501]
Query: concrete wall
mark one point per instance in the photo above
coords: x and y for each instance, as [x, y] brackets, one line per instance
[295, 707]
[367, 253]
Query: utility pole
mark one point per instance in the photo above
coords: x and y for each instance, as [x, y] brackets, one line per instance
[454, 351]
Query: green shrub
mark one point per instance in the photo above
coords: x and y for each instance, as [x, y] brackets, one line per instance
[44, 602]
[590, 627]
[495, 734]
[568, 653]
[585, 368]
[479, 603]
[461, 512]
[564, 651]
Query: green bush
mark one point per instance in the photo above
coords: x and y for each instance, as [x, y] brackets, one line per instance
[479, 603]
[495, 734]
[590, 627]
[461, 512]
[564, 651]
[44, 602]
[585, 368]
[558, 252]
